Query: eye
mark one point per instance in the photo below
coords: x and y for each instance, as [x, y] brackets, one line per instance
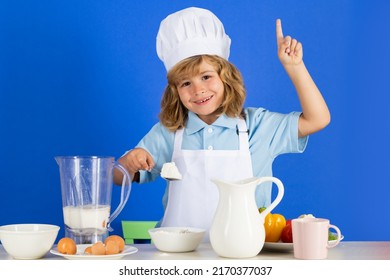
[206, 77]
[184, 84]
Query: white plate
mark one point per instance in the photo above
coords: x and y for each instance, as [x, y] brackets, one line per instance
[278, 246]
[128, 250]
[285, 247]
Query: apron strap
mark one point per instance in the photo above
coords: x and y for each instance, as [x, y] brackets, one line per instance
[178, 140]
[243, 133]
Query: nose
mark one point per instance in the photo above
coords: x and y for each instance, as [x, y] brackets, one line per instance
[199, 89]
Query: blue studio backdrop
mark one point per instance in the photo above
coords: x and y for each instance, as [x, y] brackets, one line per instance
[81, 77]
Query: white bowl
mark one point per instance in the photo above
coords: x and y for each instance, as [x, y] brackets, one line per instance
[28, 241]
[176, 239]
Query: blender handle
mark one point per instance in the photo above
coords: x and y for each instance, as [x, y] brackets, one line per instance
[125, 193]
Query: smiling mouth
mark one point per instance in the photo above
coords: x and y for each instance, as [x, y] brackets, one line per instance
[203, 100]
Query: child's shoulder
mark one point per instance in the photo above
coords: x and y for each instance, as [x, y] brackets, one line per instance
[161, 132]
[258, 112]
[251, 112]
[256, 116]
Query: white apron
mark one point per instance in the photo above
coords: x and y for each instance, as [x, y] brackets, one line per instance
[193, 200]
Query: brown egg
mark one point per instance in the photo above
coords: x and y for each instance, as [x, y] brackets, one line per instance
[98, 248]
[88, 250]
[67, 246]
[118, 240]
[111, 247]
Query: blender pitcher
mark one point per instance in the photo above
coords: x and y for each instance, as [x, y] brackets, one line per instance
[86, 187]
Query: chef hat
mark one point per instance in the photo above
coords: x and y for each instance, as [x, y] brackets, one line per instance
[189, 32]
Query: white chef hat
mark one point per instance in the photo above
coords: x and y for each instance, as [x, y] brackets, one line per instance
[189, 32]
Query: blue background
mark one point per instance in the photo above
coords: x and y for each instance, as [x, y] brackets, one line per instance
[82, 77]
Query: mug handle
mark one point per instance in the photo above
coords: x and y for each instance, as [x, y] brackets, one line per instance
[338, 237]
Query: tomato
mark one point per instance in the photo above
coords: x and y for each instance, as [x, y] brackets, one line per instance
[286, 236]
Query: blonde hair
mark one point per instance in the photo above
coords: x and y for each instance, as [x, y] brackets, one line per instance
[174, 114]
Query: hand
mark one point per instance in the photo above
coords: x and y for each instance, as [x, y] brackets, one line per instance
[290, 51]
[136, 160]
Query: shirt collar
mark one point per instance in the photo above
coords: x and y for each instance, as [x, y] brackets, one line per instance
[194, 123]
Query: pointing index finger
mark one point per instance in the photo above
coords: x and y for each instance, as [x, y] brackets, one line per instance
[279, 32]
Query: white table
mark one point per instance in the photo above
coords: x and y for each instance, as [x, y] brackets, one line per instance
[346, 250]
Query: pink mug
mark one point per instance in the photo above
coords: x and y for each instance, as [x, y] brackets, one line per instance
[310, 238]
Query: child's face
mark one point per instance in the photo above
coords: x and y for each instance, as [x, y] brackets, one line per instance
[202, 93]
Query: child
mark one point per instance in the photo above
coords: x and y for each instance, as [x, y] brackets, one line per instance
[203, 126]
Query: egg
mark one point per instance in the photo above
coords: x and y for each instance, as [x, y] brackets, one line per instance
[98, 248]
[88, 250]
[111, 247]
[67, 246]
[118, 240]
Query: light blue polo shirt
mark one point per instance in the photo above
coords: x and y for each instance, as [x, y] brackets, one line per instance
[270, 134]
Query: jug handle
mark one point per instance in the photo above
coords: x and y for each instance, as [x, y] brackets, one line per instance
[125, 193]
[278, 198]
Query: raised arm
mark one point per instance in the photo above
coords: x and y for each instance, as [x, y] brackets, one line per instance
[315, 113]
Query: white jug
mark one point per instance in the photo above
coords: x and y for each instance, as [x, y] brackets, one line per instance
[237, 230]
